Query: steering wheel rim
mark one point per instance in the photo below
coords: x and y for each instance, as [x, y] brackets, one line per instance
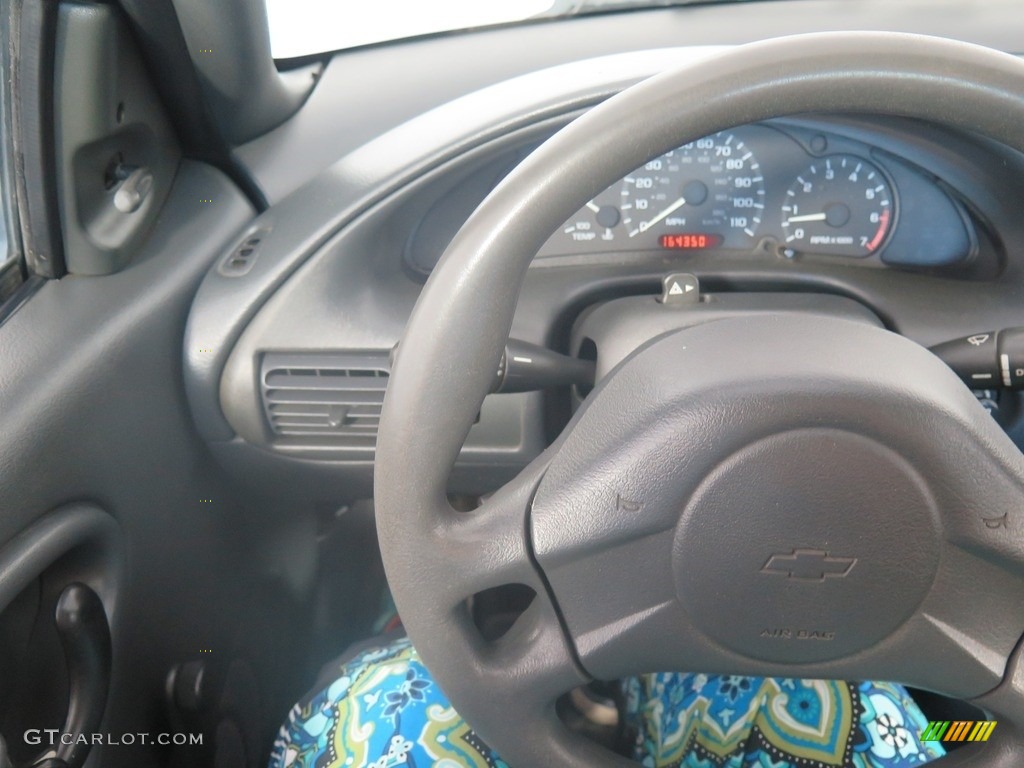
[436, 558]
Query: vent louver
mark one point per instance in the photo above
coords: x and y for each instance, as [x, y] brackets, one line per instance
[330, 399]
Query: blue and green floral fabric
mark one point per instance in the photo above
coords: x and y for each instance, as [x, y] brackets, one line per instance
[728, 721]
[385, 710]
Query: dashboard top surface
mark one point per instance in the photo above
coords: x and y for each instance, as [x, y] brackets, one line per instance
[346, 109]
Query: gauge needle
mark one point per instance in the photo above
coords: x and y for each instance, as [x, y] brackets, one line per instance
[807, 217]
[645, 225]
[593, 206]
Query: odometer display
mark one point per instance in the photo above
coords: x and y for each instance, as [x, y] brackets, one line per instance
[690, 241]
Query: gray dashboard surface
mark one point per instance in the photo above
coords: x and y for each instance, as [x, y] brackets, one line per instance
[341, 236]
[303, 222]
[347, 108]
[329, 274]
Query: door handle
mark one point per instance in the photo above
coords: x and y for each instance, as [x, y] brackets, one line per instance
[85, 637]
[85, 634]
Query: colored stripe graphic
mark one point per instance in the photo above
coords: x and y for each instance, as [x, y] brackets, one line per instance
[935, 731]
[958, 730]
[984, 731]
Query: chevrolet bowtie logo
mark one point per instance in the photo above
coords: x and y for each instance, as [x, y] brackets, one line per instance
[809, 565]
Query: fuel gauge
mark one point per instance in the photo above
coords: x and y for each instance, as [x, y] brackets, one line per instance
[842, 205]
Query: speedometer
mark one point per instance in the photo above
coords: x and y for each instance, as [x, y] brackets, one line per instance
[706, 194]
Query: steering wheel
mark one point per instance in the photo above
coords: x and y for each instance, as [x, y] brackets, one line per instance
[648, 529]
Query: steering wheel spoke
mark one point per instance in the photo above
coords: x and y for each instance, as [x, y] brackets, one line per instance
[533, 666]
[973, 619]
[487, 547]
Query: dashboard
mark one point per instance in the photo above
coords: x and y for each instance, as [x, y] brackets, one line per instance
[288, 344]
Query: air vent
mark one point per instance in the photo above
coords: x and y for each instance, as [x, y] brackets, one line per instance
[330, 399]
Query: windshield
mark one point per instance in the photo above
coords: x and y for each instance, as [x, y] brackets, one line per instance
[303, 27]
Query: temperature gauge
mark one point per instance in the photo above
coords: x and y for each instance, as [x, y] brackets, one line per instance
[841, 205]
[597, 220]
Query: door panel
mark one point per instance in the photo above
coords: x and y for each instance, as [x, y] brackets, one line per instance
[93, 410]
[75, 552]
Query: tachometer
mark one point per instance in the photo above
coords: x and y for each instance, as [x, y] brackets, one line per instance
[841, 205]
[706, 194]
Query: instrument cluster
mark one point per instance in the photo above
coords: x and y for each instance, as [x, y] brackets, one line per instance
[773, 187]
